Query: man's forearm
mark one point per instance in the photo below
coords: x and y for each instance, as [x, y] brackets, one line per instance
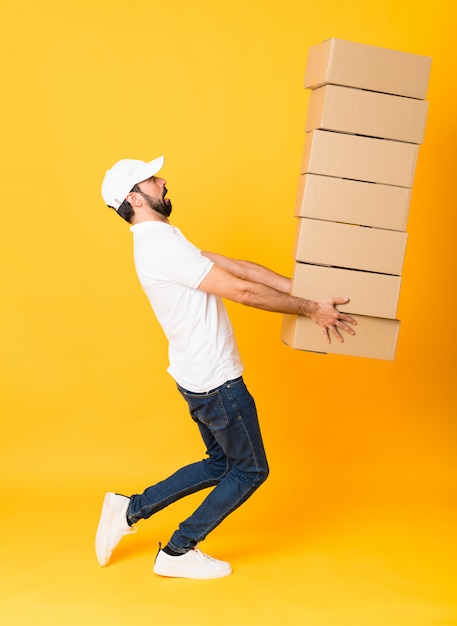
[253, 285]
[262, 296]
[247, 270]
[323, 313]
[260, 274]
[221, 282]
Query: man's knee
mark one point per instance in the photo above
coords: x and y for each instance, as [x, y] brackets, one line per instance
[260, 476]
[216, 468]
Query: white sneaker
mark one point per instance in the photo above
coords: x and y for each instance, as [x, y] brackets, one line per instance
[112, 526]
[192, 564]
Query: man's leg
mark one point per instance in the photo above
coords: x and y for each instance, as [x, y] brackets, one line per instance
[228, 421]
[236, 463]
[120, 513]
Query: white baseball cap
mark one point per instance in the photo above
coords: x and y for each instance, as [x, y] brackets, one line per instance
[124, 174]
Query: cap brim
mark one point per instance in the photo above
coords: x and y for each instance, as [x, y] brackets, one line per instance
[151, 168]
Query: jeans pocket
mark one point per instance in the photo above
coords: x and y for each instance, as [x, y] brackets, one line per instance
[208, 409]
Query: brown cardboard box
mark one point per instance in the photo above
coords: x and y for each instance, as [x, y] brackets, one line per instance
[352, 201]
[351, 64]
[360, 112]
[375, 338]
[360, 158]
[370, 294]
[353, 247]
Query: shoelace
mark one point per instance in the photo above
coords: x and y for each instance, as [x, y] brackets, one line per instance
[204, 556]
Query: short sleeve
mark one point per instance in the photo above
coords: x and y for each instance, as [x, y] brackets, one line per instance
[183, 263]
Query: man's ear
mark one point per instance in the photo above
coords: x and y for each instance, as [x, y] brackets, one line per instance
[134, 199]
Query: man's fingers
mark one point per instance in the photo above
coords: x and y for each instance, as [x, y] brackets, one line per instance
[336, 332]
[347, 318]
[346, 328]
[340, 300]
[343, 316]
[328, 330]
[336, 320]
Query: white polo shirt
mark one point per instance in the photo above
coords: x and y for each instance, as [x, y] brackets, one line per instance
[202, 349]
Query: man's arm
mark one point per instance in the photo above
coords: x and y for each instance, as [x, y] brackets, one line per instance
[221, 282]
[250, 271]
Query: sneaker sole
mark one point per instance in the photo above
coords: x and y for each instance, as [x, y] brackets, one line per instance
[165, 574]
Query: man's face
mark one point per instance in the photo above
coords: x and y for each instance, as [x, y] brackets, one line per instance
[154, 191]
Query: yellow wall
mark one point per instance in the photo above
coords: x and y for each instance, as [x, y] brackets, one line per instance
[218, 88]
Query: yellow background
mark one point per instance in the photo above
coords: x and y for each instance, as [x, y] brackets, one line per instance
[356, 524]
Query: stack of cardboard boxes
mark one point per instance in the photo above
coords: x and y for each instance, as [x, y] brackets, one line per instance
[366, 119]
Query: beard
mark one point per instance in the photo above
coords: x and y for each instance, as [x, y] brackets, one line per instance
[162, 205]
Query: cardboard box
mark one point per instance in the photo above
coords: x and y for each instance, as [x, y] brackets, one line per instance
[348, 246]
[370, 294]
[359, 158]
[360, 112]
[354, 202]
[351, 64]
[375, 338]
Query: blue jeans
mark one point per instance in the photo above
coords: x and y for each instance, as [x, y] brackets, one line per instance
[236, 465]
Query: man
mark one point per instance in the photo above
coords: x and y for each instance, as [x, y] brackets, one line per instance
[184, 286]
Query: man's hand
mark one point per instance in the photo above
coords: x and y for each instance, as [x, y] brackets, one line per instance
[327, 316]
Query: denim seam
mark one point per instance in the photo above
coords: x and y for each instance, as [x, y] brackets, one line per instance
[219, 519]
[161, 504]
[240, 418]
